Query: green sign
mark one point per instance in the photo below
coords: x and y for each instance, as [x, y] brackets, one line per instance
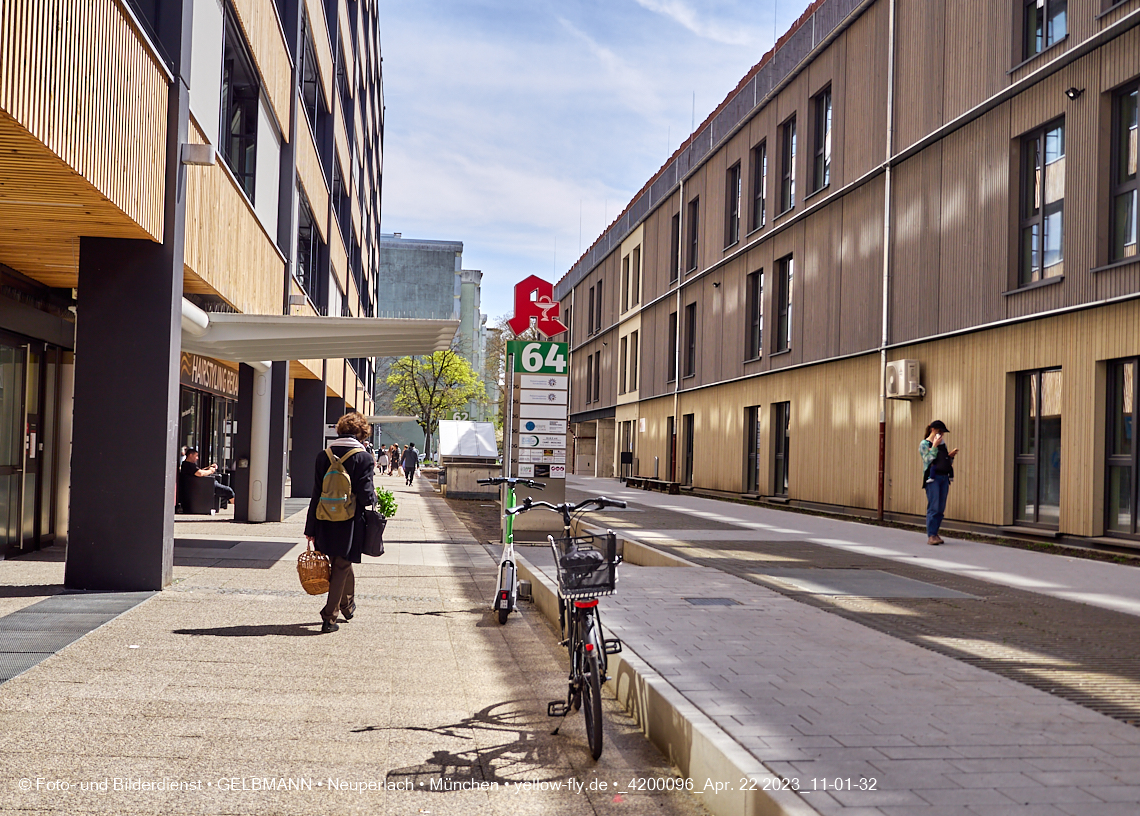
[533, 357]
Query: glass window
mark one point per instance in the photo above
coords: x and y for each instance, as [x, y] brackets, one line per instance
[784, 276]
[624, 353]
[589, 378]
[732, 205]
[675, 249]
[694, 231]
[1037, 458]
[625, 283]
[598, 316]
[781, 447]
[1045, 22]
[821, 175]
[687, 423]
[752, 449]
[1123, 458]
[597, 376]
[633, 361]
[759, 185]
[590, 314]
[635, 277]
[690, 339]
[1043, 204]
[239, 111]
[755, 306]
[788, 165]
[1124, 185]
[672, 363]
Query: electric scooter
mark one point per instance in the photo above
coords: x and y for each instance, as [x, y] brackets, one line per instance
[506, 593]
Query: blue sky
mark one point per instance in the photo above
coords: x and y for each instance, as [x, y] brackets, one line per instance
[523, 127]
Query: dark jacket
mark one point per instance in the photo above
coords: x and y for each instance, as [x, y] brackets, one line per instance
[410, 459]
[343, 538]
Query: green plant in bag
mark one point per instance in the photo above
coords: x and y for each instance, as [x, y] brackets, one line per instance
[385, 502]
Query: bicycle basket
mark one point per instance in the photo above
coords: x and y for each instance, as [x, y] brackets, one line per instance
[585, 565]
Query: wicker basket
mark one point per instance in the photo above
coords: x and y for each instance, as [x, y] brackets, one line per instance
[314, 569]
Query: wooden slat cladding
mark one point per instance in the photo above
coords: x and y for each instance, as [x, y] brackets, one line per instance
[337, 255]
[919, 70]
[916, 245]
[322, 45]
[258, 20]
[343, 154]
[864, 143]
[79, 78]
[226, 245]
[978, 53]
[312, 178]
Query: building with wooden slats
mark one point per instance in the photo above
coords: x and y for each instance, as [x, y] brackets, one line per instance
[165, 164]
[952, 184]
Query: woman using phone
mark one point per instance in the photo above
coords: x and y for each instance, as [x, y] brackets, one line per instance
[938, 473]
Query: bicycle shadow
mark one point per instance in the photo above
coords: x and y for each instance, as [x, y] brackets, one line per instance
[524, 751]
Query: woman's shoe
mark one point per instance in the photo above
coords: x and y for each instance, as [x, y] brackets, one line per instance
[328, 626]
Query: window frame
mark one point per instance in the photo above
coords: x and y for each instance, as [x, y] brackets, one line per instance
[1032, 459]
[598, 318]
[598, 376]
[785, 290]
[1117, 188]
[788, 164]
[1034, 144]
[241, 159]
[694, 231]
[635, 277]
[752, 438]
[590, 314]
[754, 304]
[623, 355]
[732, 196]
[781, 448]
[589, 378]
[625, 284]
[822, 124]
[759, 213]
[633, 343]
[690, 367]
[671, 368]
[1046, 44]
[675, 246]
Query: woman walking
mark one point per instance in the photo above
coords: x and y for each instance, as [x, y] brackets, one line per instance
[382, 461]
[342, 541]
[393, 458]
[938, 473]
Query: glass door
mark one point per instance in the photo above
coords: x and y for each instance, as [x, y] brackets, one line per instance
[13, 360]
[33, 448]
[687, 430]
[1123, 453]
[1037, 458]
[752, 449]
[781, 447]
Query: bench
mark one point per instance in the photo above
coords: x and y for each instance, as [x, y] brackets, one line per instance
[647, 483]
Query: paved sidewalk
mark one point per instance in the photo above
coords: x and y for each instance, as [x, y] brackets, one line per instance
[220, 696]
[815, 696]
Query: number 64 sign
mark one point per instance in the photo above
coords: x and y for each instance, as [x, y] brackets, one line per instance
[533, 357]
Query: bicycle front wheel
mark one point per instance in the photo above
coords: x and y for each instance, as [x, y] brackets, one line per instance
[592, 703]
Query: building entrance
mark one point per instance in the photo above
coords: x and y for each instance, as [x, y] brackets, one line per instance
[29, 420]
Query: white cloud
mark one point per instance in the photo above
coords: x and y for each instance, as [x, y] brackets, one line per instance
[729, 31]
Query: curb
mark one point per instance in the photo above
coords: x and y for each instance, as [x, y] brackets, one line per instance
[730, 780]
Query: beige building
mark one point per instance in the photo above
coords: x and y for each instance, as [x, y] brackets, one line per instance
[888, 186]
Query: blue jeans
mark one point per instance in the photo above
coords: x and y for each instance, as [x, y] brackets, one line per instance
[936, 493]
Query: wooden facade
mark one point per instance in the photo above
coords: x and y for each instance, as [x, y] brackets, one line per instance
[923, 196]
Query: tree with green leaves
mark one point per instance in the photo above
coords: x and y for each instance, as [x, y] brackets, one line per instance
[433, 386]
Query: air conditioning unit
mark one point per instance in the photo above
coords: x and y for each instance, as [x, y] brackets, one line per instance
[903, 380]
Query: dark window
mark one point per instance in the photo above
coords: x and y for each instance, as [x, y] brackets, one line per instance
[781, 447]
[784, 279]
[694, 231]
[310, 79]
[821, 166]
[624, 364]
[687, 422]
[671, 448]
[598, 316]
[759, 185]
[570, 324]
[752, 449]
[1124, 184]
[732, 205]
[672, 347]
[597, 376]
[589, 378]
[1037, 456]
[308, 250]
[1123, 453]
[675, 248]
[590, 315]
[625, 283]
[239, 111]
[635, 277]
[633, 361]
[755, 307]
[788, 165]
[690, 339]
[1042, 204]
[1044, 23]
[341, 206]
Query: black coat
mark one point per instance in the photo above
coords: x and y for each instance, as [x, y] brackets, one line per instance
[343, 538]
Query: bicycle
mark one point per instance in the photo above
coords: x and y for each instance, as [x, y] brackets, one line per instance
[506, 593]
[585, 573]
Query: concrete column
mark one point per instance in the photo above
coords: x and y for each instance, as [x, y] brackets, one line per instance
[243, 442]
[308, 435]
[278, 442]
[259, 442]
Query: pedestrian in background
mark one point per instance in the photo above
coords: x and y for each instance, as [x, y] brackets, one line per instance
[410, 461]
[937, 474]
[393, 458]
[382, 461]
[342, 541]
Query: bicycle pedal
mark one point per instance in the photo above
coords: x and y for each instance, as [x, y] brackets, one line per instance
[557, 709]
[611, 646]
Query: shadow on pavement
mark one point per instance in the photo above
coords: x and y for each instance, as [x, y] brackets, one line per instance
[280, 629]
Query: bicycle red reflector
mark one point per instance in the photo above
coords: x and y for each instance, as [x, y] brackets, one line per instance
[503, 594]
[586, 604]
[589, 647]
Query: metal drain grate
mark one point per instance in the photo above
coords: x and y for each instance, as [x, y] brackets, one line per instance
[713, 602]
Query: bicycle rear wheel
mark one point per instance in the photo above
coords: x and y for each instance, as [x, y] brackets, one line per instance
[592, 703]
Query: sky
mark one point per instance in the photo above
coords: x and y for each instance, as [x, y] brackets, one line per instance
[524, 127]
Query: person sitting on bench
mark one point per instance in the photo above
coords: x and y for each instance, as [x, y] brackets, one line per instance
[189, 468]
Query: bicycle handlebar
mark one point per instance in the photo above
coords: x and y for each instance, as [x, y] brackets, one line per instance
[566, 507]
[512, 481]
